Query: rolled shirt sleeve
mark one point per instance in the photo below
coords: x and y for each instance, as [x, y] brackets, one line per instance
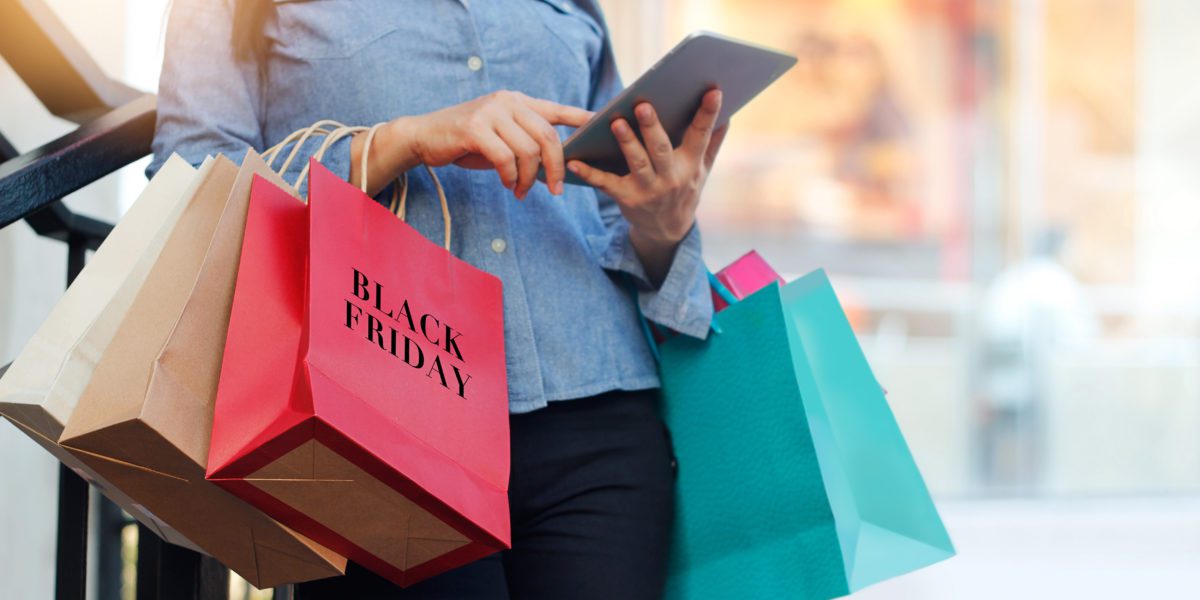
[683, 302]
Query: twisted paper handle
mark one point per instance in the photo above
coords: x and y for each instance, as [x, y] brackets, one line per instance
[299, 136]
[399, 205]
[334, 131]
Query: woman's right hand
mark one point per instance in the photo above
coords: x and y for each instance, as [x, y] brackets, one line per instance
[506, 131]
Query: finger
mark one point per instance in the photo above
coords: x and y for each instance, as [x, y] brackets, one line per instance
[498, 153]
[601, 180]
[559, 114]
[695, 140]
[714, 146]
[655, 137]
[551, 147]
[635, 153]
[526, 151]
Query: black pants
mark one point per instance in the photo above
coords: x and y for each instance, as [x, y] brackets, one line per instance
[592, 495]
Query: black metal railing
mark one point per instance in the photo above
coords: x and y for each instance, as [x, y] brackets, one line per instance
[116, 126]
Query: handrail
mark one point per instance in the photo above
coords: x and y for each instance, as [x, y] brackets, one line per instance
[35, 179]
[116, 126]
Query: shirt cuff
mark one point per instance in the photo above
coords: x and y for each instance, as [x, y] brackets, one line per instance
[683, 302]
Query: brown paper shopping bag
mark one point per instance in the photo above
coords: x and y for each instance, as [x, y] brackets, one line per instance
[39, 391]
[144, 420]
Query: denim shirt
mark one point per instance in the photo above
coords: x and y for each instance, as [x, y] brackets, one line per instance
[566, 263]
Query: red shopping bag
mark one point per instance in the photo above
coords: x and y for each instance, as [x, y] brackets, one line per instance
[363, 398]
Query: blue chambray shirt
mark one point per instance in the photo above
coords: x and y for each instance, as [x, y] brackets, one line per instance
[570, 323]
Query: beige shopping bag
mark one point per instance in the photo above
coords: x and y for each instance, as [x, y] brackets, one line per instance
[144, 420]
[39, 391]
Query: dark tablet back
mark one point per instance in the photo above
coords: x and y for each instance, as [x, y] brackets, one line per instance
[674, 86]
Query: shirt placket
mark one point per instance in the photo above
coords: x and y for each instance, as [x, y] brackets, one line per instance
[492, 221]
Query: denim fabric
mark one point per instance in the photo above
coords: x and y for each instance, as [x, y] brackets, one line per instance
[571, 326]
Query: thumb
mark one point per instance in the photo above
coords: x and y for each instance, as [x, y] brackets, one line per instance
[601, 180]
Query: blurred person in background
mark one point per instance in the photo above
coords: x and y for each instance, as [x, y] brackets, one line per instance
[1030, 310]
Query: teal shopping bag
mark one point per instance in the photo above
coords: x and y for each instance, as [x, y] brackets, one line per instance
[794, 479]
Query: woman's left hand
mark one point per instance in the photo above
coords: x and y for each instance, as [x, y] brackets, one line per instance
[660, 194]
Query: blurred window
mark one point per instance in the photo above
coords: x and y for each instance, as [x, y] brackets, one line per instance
[992, 186]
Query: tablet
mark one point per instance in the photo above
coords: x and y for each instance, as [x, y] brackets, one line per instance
[675, 86]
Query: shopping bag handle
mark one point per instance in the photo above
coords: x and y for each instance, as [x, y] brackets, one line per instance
[325, 126]
[400, 204]
[319, 155]
[720, 288]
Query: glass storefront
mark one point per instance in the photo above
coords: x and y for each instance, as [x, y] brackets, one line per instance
[998, 192]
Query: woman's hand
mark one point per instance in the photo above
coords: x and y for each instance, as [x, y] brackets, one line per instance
[506, 131]
[660, 194]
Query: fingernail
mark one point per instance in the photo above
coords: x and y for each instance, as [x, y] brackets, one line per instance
[620, 127]
[572, 167]
[558, 188]
[643, 112]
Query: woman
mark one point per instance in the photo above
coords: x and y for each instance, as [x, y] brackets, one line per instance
[476, 88]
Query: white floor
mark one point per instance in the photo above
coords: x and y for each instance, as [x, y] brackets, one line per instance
[1133, 548]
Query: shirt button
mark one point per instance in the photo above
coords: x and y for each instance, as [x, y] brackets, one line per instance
[498, 245]
[474, 63]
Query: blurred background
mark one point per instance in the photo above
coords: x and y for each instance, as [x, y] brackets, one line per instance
[1005, 194]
